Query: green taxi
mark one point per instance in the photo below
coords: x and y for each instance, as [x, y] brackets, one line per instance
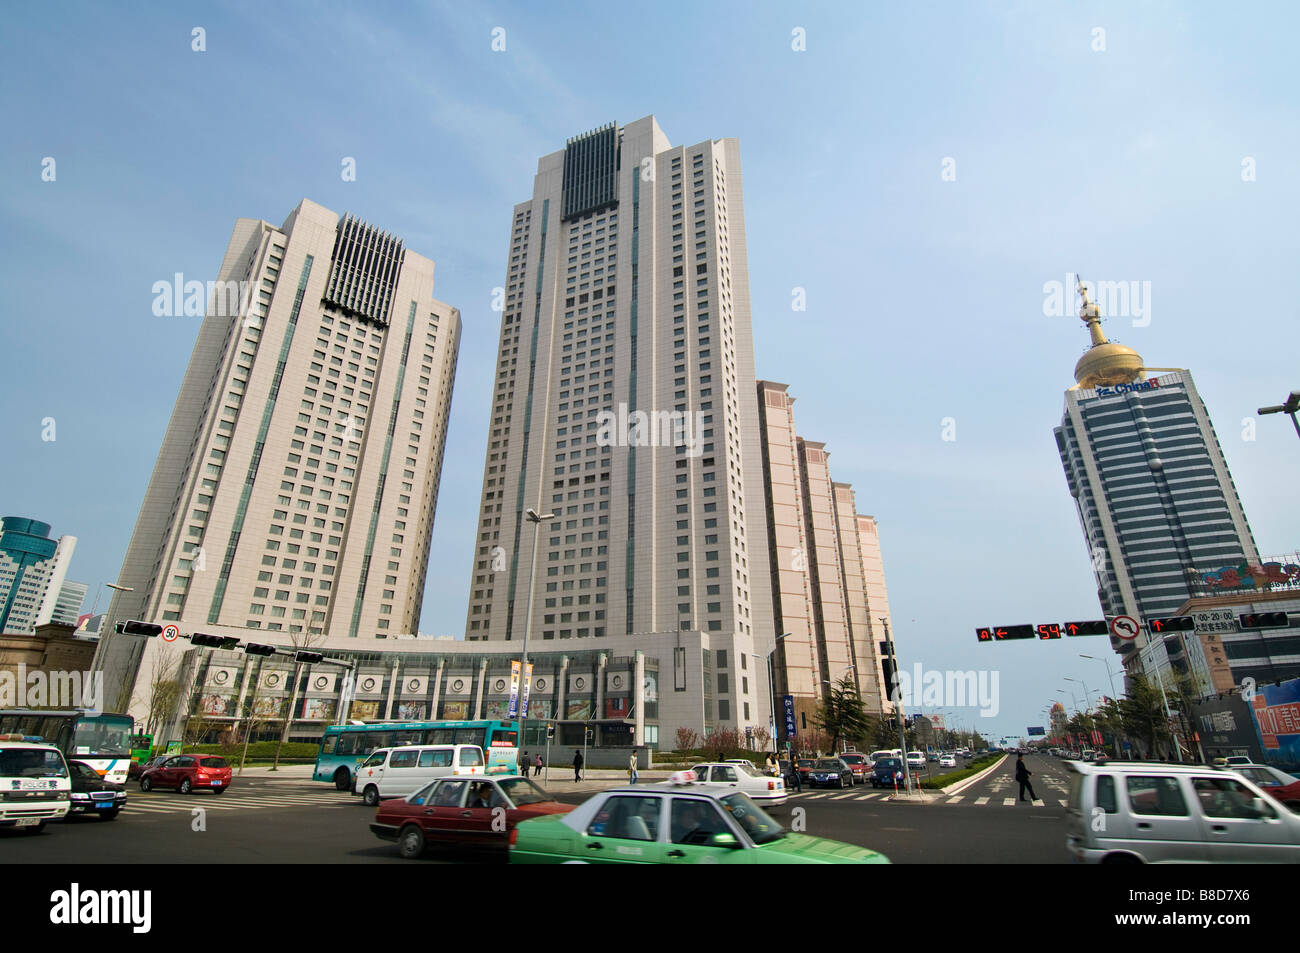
[674, 822]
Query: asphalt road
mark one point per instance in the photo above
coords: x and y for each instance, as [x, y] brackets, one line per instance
[310, 823]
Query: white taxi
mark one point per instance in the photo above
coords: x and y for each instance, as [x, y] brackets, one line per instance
[34, 784]
[744, 777]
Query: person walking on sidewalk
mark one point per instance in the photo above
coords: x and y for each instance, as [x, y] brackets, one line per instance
[631, 766]
[537, 766]
[577, 766]
[1022, 776]
[523, 764]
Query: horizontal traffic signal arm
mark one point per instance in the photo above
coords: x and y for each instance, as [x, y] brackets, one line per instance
[1047, 630]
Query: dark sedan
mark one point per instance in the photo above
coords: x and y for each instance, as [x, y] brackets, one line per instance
[830, 772]
[91, 794]
[887, 773]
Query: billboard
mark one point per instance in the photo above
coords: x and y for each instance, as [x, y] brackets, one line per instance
[1032, 731]
[1276, 575]
[1276, 709]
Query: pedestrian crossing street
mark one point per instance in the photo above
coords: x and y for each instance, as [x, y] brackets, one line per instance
[1054, 798]
[171, 802]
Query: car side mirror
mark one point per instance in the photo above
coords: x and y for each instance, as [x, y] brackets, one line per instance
[724, 840]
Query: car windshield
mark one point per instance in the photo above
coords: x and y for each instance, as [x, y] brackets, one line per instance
[745, 768]
[828, 765]
[31, 763]
[805, 762]
[888, 763]
[213, 762]
[523, 791]
[851, 758]
[760, 828]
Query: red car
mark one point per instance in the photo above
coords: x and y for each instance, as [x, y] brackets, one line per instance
[858, 765]
[475, 813]
[187, 773]
[1278, 784]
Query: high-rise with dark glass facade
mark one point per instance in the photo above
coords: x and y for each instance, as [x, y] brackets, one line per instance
[1149, 478]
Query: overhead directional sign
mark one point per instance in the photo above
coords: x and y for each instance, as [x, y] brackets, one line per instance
[1094, 627]
[1124, 627]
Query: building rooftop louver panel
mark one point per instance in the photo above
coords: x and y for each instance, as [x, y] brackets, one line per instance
[591, 171]
[367, 262]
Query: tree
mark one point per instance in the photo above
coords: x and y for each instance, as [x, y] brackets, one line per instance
[688, 739]
[301, 641]
[841, 714]
[164, 690]
[1142, 714]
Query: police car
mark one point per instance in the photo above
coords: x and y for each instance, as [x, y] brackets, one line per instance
[34, 784]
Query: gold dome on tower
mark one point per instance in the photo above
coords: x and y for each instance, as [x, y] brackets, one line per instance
[1106, 363]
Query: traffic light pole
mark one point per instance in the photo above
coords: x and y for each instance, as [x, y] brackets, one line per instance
[897, 698]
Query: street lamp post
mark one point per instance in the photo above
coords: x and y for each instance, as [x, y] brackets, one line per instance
[898, 706]
[1291, 407]
[532, 516]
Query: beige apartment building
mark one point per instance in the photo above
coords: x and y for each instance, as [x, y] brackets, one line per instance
[295, 489]
[624, 405]
[827, 575]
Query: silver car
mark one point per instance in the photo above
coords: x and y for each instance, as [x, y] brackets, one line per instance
[1147, 812]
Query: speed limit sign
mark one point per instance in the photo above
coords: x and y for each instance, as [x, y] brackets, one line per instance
[170, 633]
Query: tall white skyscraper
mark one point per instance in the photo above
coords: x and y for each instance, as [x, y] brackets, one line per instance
[625, 404]
[295, 488]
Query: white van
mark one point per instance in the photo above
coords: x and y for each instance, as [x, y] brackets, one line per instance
[397, 772]
[35, 780]
[886, 753]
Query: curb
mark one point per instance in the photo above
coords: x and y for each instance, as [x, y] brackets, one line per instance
[963, 785]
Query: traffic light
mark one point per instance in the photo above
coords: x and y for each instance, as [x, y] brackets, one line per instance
[254, 649]
[310, 657]
[1005, 632]
[140, 628]
[226, 642]
[1264, 620]
[984, 635]
[550, 732]
[1178, 623]
[1049, 630]
[891, 678]
[1094, 627]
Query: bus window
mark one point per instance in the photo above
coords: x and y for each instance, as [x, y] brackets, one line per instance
[501, 738]
[347, 742]
[328, 744]
[405, 737]
[440, 736]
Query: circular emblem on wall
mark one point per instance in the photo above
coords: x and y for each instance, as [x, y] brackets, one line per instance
[220, 677]
[541, 684]
[368, 685]
[500, 685]
[457, 685]
[618, 681]
[578, 683]
[414, 685]
[321, 682]
[273, 680]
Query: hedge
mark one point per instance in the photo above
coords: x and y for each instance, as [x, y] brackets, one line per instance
[952, 777]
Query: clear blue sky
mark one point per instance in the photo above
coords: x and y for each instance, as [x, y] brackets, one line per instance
[925, 297]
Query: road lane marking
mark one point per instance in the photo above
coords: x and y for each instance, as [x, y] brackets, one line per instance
[841, 797]
[979, 801]
[1008, 802]
[954, 800]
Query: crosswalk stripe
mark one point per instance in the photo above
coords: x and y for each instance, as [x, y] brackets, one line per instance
[954, 800]
[867, 797]
[841, 797]
[981, 801]
[1008, 802]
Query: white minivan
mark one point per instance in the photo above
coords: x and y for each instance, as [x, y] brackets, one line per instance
[397, 772]
[36, 783]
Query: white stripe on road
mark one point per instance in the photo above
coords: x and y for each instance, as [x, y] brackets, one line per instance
[841, 797]
[868, 797]
[1008, 802]
[954, 800]
[980, 801]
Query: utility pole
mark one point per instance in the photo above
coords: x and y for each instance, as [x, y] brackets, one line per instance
[896, 697]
